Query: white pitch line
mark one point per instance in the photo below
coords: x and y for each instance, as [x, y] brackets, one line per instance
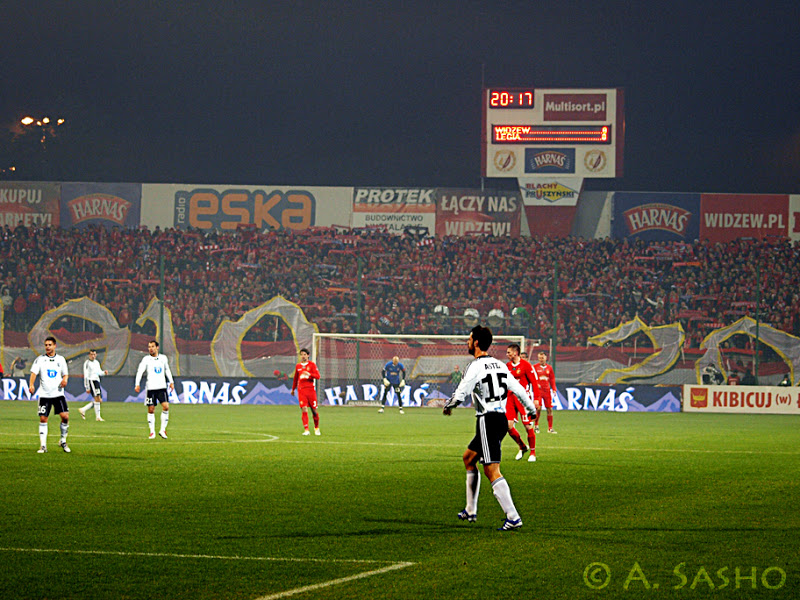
[393, 566]
[206, 556]
[683, 450]
[276, 439]
[324, 584]
[597, 449]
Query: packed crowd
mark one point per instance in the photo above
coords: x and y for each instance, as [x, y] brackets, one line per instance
[409, 284]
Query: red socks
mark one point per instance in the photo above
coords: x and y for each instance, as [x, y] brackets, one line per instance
[515, 434]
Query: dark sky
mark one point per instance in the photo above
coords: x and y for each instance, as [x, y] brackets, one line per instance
[389, 93]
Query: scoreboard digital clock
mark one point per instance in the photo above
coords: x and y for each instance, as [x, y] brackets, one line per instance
[511, 98]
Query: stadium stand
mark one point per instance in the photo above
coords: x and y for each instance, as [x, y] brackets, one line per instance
[215, 276]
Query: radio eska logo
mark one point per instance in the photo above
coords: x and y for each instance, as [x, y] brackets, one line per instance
[698, 397]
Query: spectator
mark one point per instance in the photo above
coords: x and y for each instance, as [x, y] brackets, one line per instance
[7, 300]
[17, 367]
[712, 375]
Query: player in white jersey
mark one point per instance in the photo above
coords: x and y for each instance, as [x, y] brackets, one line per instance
[91, 381]
[158, 375]
[54, 376]
[489, 380]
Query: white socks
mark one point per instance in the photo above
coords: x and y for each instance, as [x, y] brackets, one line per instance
[151, 421]
[96, 408]
[503, 494]
[473, 487]
[43, 433]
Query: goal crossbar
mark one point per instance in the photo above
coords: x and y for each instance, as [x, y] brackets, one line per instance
[358, 357]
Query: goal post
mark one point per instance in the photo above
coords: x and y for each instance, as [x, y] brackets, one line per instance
[351, 364]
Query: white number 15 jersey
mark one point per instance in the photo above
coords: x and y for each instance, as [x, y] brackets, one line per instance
[490, 379]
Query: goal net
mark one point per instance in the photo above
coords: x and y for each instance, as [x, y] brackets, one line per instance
[351, 364]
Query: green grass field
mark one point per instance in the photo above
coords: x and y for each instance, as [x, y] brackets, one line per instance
[237, 504]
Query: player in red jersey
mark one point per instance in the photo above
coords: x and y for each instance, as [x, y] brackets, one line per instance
[547, 382]
[524, 373]
[304, 375]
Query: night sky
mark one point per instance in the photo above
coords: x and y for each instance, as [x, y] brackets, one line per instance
[389, 94]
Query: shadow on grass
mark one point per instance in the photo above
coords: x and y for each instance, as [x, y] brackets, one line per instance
[390, 527]
[117, 457]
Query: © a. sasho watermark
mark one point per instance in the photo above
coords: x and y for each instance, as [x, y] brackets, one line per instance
[598, 576]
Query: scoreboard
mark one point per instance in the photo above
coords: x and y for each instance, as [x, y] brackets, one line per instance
[529, 132]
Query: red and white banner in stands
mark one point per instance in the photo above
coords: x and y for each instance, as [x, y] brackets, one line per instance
[550, 204]
[30, 204]
[741, 399]
[727, 217]
[463, 212]
[395, 209]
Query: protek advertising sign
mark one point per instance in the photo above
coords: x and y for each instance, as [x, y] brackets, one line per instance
[395, 209]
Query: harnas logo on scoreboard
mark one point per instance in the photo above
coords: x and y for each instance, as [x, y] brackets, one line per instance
[665, 217]
[549, 160]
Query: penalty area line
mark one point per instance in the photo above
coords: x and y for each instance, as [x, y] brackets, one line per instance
[392, 566]
[324, 584]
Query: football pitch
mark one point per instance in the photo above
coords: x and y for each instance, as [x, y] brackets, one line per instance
[237, 504]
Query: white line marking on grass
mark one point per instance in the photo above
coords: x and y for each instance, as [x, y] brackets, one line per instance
[324, 584]
[598, 449]
[685, 450]
[393, 566]
[267, 437]
[274, 438]
[208, 556]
